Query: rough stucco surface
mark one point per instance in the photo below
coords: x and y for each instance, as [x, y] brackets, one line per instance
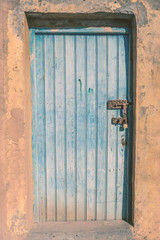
[16, 184]
[91, 230]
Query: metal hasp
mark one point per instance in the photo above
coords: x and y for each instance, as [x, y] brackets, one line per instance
[119, 104]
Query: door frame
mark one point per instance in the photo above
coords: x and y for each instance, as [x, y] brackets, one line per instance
[131, 77]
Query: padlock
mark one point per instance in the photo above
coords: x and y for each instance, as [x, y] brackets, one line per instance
[125, 125]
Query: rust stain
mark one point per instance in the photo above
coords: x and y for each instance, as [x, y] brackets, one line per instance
[123, 142]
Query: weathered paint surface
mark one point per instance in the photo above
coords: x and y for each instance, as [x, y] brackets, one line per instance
[80, 167]
[16, 184]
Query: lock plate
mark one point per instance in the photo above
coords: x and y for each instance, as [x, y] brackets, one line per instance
[119, 104]
[117, 121]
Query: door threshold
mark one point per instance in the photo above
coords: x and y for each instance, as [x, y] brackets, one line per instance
[102, 230]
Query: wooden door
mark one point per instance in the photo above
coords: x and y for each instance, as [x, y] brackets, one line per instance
[80, 162]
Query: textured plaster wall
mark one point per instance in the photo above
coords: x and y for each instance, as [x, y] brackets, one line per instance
[16, 184]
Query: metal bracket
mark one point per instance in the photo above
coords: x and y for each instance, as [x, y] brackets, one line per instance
[119, 104]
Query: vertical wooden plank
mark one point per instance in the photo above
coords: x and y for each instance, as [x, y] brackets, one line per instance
[101, 41]
[112, 94]
[129, 134]
[121, 132]
[75, 122]
[91, 125]
[34, 123]
[118, 113]
[55, 153]
[60, 125]
[70, 123]
[80, 56]
[41, 154]
[65, 128]
[49, 111]
[106, 145]
[85, 123]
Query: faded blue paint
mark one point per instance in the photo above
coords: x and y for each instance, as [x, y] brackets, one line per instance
[80, 168]
[89, 30]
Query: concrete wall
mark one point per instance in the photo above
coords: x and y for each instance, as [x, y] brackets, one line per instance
[16, 184]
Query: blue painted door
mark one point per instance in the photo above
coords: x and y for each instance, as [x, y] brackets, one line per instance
[81, 168]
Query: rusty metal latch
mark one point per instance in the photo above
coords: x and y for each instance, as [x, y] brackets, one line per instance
[119, 104]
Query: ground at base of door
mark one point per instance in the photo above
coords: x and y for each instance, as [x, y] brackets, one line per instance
[102, 230]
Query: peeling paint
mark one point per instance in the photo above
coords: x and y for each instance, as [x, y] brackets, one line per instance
[154, 4]
[18, 223]
[32, 57]
[143, 111]
[138, 7]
